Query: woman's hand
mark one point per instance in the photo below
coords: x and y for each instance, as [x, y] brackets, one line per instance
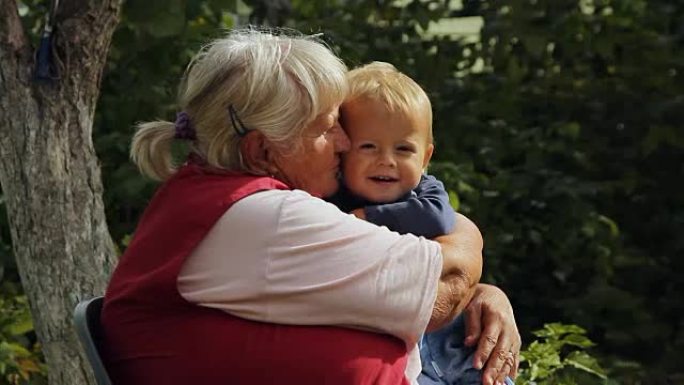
[491, 325]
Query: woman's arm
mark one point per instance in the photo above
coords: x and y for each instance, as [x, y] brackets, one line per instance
[490, 323]
[285, 257]
[461, 271]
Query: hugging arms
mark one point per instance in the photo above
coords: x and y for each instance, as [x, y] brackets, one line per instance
[237, 236]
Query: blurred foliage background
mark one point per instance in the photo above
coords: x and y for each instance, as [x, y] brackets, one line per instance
[559, 131]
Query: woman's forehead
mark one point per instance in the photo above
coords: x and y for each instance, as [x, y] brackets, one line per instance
[327, 116]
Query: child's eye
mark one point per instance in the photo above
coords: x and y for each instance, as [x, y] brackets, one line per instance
[406, 149]
[366, 146]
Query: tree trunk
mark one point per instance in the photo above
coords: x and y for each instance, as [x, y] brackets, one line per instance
[50, 175]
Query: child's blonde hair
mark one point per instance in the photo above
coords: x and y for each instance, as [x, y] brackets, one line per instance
[383, 82]
[275, 82]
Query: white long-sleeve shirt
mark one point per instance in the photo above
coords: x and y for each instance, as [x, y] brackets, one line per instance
[286, 257]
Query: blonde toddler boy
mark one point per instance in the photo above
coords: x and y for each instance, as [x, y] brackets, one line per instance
[388, 118]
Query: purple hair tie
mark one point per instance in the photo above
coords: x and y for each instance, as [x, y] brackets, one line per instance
[184, 129]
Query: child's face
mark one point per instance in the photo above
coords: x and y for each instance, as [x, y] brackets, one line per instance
[388, 150]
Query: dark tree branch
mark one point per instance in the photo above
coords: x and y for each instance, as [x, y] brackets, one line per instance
[13, 40]
[83, 31]
[15, 56]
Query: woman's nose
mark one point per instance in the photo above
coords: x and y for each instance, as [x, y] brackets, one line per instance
[342, 143]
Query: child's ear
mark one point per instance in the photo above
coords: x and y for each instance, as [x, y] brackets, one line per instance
[428, 155]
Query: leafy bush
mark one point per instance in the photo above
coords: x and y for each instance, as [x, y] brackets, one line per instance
[20, 359]
[558, 357]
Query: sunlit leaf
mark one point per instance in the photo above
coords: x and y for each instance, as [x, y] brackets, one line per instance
[585, 362]
[453, 200]
[558, 329]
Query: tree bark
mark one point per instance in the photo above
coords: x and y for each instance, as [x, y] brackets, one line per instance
[50, 175]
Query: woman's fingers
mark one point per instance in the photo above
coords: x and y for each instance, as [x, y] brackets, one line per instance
[502, 364]
[473, 324]
[510, 357]
[506, 368]
[488, 341]
[499, 342]
[514, 370]
[490, 321]
[499, 364]
[515, 349]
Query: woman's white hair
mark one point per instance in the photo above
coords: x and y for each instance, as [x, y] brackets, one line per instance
[276, 81]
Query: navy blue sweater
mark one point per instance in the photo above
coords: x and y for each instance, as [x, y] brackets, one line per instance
[425, 211]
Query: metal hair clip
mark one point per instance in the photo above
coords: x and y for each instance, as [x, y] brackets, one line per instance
[239, 127]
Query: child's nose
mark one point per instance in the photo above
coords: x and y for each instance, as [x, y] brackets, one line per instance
[387, 159]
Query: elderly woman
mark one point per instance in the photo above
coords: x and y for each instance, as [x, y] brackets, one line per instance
[239, 273]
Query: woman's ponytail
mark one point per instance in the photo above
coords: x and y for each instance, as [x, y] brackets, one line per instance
[151, 149]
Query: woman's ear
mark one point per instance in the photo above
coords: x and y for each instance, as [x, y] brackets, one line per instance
[254, 148]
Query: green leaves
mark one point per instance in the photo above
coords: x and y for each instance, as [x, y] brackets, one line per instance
[453, 200]
[15, 317]
[586, 363]
[158, 18]
[575, 122]
[554, 358]
[554, 330]
[20, 359]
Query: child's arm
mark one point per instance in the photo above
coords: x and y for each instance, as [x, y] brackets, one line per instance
[427, 212]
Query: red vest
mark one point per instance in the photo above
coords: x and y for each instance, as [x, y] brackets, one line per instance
[153, 336]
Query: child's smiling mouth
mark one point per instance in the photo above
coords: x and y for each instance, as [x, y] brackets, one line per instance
[383, 179]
